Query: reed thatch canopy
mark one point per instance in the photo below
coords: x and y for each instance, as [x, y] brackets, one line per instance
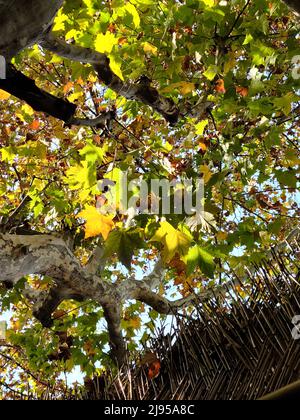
[237, 345]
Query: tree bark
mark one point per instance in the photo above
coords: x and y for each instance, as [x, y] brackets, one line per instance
[26, 22]
[24, 88]
[293, 4]
[49, 255]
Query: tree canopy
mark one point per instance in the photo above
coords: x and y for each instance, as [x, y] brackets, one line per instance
[159, 90]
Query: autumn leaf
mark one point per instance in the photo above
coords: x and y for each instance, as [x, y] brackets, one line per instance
[105, 43]
[135, 322]
[178, 265]
[68, 87]
[154, 370]
[173, 240]
[202, 147]
[89, 348]
[4, 95]
[243, 91]
[200, 127]
[220, 86]
[96, 223]
[34, 125]
[183, 87]
[222, 236]
[150, 49]
[206, 172]
[187, 88]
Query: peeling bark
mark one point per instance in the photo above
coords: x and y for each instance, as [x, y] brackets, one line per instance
[24, 22]
[47, 255]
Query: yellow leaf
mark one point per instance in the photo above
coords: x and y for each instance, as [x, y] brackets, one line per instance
[173, 240]
[75, 96]
[105, 43]
[116, 67]
[207, 174]
[96, 223]
[183, 87]
[209, 3]
[24, 111]
[200, 127]
[222, 236]
[150, 49]
[135, 323]
[4, 95]
[187, 88]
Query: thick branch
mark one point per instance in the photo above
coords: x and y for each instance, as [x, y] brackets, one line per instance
[24, 88]
[23, 23]
[155, 279]
[112, 314]
[96, 261]
[48, 255]
[293, 4]
[46, 304]
[48, 301]
[102, 121]
[141, 91]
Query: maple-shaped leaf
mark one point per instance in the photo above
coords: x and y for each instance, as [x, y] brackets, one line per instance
[154, 365]
[123, 243]
[92, 153]
[200, 127]
[173, 240]
[243, 91]
[220, 86]
[81, 177]
[35, 125]
[198, 256]
[105, 43]
[183, 87]
[96, 223]
[150, 49]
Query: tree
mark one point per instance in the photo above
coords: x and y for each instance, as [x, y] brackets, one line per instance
[157, 90]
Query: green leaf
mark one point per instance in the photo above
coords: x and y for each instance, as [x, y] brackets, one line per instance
[92, 153]
[123, 243]
[174, 241]
[287, 178]
[211, 72]
[198, 256]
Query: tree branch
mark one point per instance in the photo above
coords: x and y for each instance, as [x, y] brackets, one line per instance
[96, 261]
[293, 4]
[48, 255]
[141, 91]
[24, 88]
[112, 315]
[103, 120]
